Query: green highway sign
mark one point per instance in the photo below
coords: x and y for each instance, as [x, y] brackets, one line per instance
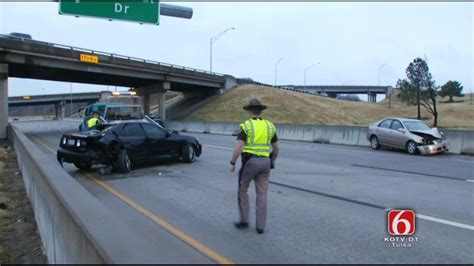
[145, 11]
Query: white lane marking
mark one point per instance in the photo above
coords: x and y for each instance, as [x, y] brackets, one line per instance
[218, 147]
[443, 221]
[470, 180]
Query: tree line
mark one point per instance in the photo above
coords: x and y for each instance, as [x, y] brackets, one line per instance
[419, 88]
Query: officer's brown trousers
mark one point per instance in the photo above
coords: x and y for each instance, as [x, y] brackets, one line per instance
[258, 170]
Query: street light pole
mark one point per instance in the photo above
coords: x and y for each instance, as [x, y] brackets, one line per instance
[276, 66]
[44, 106]
[306, 70]
[71, 100]
[212, 40]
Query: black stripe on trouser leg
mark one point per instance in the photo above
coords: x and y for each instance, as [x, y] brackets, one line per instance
[238, 190]
[245, 158]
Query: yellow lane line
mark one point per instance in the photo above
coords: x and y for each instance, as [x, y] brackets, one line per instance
[167, 226]
[44, 144]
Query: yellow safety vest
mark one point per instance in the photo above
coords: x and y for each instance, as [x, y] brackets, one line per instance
[92, 122]
[259, 136]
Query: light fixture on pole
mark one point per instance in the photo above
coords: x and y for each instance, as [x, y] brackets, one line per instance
[276, 66]
[212, 40]
[306, 70]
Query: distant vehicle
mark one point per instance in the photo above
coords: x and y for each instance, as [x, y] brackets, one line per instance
[21, 35]
[411, 135]
[118, 107]
[124, 144]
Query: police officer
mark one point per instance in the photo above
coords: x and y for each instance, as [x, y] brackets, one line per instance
[93, 121]
[254, 140]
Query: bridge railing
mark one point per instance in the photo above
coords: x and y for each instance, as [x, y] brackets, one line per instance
[113, 55]
[247, 81]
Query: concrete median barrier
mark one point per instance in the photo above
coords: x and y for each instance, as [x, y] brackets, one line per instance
[74, 226]
[461, 141]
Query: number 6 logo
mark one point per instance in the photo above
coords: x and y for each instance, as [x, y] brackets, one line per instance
[401, 222]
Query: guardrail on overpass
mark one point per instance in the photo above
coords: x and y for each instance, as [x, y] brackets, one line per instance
[460, 141]
[74, 226]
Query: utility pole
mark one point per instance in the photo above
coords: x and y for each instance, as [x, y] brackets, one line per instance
[389, 97]
[418, 100]
[276, 66]
[471, 96]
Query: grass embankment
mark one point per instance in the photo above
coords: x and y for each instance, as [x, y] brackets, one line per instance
[297, 108]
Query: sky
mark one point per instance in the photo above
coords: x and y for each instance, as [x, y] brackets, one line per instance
[350, 43]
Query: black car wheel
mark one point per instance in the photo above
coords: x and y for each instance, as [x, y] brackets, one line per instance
[411, 147]
[123, 161]
[189, 153]
[374, 143]
[83, 166]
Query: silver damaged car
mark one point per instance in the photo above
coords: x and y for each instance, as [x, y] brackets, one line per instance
[411, 135]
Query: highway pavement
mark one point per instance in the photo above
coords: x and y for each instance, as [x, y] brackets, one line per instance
[327, 203]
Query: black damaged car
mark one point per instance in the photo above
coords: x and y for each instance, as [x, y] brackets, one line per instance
[124, 144]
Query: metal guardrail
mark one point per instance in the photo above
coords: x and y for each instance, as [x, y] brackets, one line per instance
[246, 81]
[113, 55]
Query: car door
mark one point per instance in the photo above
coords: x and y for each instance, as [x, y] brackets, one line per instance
[383, 132]
[134, 139]
[158, 142]
[398, 138]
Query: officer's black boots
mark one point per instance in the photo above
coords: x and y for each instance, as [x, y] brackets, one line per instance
[259, 231]
[241, 225]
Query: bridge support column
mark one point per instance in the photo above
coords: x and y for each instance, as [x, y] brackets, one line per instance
[63, 109]
[3, 100]
[371, 97]
[162, 104]
[60, 109]
[160, 89]
[146, 103]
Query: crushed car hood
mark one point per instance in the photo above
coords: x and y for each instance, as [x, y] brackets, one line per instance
[432, 131]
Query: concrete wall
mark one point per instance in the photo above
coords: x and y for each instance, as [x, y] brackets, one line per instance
[461, 141]
[74, 226]
[230, 82]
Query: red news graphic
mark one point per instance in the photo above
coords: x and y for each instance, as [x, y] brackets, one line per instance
[401, 222]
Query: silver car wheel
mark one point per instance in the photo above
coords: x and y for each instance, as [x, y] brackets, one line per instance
[374, 142]
[411, 147]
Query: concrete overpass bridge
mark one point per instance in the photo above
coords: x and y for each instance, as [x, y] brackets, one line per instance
[332, 91]
[58, 100]
[24, 58]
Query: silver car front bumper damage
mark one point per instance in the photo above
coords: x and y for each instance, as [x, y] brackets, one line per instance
[434, 148]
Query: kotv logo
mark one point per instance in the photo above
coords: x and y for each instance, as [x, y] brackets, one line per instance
[401, 222]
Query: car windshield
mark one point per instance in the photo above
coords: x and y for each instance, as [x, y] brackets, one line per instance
[123, 113]
[416, 125]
